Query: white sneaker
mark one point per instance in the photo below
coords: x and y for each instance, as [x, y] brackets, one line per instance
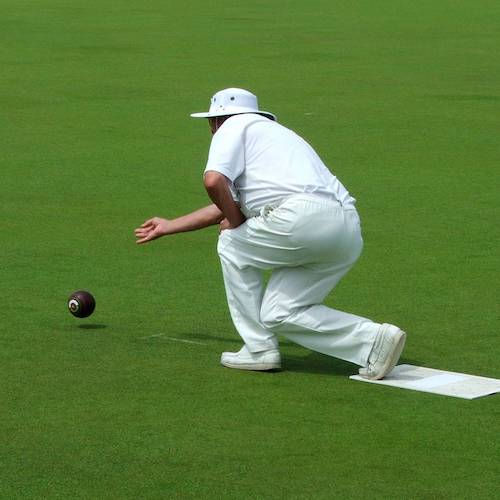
[385, 353]
[246, 360]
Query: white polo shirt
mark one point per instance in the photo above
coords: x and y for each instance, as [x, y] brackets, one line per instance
[266, 162]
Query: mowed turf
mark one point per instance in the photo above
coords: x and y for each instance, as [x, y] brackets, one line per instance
[400, 98]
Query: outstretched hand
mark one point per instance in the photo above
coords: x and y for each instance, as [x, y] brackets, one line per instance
[152, 229]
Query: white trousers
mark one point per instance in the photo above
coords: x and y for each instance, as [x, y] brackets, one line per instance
[310, 243]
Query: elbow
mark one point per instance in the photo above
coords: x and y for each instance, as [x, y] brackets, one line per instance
[212, 180]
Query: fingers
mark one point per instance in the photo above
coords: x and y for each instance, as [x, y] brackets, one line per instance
[145, 228]
[144, 232]
[148, 223]
[146, 236]
[149, 230]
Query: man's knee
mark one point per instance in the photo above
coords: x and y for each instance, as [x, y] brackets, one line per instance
[272, 317]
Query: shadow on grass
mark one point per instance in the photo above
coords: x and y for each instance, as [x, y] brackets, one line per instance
[318, 364]
[313, 362]
[205, 336]
[322, 364]
[408, 361]
[92, 326]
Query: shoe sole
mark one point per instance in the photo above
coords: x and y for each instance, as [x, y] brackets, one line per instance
[392, 359]
[260, 367]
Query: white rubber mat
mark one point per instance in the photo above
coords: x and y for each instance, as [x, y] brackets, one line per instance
[419, 378]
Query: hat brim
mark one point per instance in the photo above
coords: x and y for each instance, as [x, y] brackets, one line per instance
[213, 114]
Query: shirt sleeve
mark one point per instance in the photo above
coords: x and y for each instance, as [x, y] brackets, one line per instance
[227, 151]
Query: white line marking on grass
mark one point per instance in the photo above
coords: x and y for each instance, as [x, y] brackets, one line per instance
[173, 339]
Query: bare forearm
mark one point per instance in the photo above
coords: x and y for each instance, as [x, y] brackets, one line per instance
[157, 227]
[217, 189]
[203, 217]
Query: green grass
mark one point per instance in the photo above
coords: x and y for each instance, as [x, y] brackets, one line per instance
[400, 98]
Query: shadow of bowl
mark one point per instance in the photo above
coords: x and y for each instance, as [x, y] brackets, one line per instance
[92, 326]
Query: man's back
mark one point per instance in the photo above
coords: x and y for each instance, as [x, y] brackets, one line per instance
[268, 162]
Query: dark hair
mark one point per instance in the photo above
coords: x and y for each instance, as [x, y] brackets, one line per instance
[235, 114]
[267, 116]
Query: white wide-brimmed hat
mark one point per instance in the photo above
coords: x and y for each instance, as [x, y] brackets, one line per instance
[233, 102]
